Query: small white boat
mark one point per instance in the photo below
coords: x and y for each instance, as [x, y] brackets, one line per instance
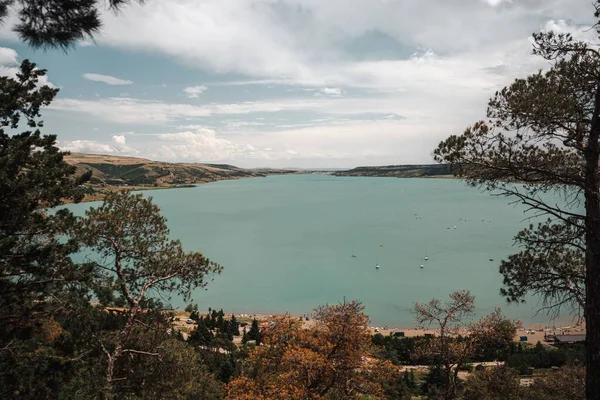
[421, 265]
[376, 266]
[426, 258]
[353, 255]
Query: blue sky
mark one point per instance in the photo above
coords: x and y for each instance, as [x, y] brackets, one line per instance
[290, 83]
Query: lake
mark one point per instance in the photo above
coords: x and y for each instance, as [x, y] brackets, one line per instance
[286, 243]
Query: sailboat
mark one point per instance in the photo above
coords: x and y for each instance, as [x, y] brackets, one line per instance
[377, 264]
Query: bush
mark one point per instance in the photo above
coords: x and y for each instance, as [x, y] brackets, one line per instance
[466, 367]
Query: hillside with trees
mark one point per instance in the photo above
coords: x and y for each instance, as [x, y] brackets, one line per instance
[400, 171]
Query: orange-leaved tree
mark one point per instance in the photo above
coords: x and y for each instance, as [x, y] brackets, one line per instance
[328, 359]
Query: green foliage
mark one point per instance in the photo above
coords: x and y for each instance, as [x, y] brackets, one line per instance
[254, 332]
[402, 350]
[39, 283]
[542, 136]
[398, 387]
[191, 308]
[493, 383]
[567, 382]
[201, 335]
[130, 240]
[541, 356]
[434, 382]
[56, 23]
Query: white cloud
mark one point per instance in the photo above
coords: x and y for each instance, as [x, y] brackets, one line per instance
[8, 66]
[139, 111]
[203, 146]
[334, 92]
[7, 56]
[117, 145]
[109, 80]
[193, 92]
[436, 75]
[299, 39]
[86, 146]
[495, 3]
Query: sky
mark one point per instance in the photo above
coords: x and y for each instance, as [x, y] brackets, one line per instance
[290, 83]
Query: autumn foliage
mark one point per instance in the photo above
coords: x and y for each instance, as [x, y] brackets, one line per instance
[329, 359]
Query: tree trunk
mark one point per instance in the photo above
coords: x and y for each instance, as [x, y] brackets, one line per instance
[592, 258]
[118, 351]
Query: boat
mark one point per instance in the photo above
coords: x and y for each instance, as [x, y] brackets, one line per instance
[377, 263]
[353, 255]
[426, 258]
[421, 265]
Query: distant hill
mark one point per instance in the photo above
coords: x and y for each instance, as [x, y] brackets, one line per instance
[132, 171]
[400, 171]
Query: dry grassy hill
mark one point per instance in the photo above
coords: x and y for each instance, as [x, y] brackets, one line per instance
[132, 171]
[117, 172]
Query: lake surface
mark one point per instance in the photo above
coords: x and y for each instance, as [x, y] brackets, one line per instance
[286, 243]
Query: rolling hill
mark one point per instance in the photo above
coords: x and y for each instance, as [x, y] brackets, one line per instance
[108, 170]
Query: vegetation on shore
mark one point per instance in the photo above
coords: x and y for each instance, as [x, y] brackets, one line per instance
[401, 171]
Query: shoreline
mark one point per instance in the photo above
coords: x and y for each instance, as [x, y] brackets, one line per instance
[102, 190]
[534, 333]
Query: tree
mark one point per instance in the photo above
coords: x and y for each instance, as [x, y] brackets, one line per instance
[38, 280]
[234, 326]
[543, 136]
[459, 339]
[328, 360]
[201, 336]
[449, 319]
[132, 251]
[254, 332]
[495, 336]
[56, 23]
[191, 307]
[498, 382]
[567, 382]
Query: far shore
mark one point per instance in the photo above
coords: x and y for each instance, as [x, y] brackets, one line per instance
[534, 333]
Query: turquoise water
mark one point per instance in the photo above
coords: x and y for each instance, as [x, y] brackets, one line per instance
[286, 242]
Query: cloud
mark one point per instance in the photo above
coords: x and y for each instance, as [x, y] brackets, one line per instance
[334, 92]
[389, 86]
[495, 3]
[141, 111]
[193, 92]
[305, 40]
[117, 145]
[8, 66]
[109, 80]
[7, 56]
[86, 146]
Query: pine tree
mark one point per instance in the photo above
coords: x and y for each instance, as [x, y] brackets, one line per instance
[55, 23]
[254, 332]
[201, 336]
[127, 237]
[38, 280]
[234, 326]
[220, 324]
[412, 383]
[245, 336]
